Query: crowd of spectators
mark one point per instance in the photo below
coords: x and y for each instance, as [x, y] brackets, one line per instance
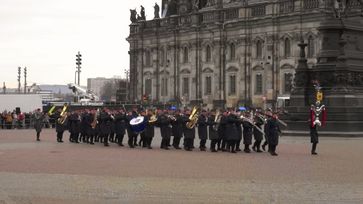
[13, 120]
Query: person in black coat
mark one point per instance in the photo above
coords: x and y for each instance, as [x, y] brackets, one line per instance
[239, 131]
[203, 130]
[189, 134]
[120, 126]
[149, 132]
[247, 134]
[231, 131]
[257, 134]
[222, 142]
[112, 127]
[59, 127]
[273, 129]
[177, 129]
[131, 134]
[74, 126]
[105, 126]
[83, 136]
[213, 131]
[164, 123]
[90, 131]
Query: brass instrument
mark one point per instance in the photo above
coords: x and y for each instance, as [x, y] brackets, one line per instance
[94, 122]
[51, 110]
[171, 117]
[63, 115]
[250, 120]
[217, 120]
[193, 118]
[153, 118]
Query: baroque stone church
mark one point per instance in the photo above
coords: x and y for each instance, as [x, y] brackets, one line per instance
[222, 52]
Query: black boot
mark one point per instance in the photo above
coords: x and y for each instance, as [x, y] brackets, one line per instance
[247, 149]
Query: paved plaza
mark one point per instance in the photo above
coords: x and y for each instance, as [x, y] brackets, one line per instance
[48, 172]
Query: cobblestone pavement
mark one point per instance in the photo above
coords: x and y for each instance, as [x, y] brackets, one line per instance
[47, 172]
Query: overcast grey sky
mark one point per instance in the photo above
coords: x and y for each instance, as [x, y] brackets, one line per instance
[45, 36]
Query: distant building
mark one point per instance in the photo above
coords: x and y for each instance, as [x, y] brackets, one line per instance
[96, 85]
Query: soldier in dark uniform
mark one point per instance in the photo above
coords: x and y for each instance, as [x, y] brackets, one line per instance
[149, 131]
[222, 142]
[247, 133]
[273, 129]
[203, 130]
[83, 126]
[189, 134]
[38, 117]
[112, 129]
[177, 129]
[213, 131]
[268, 115]
[105, 126]
[74, 124]
[59, 127]
[90, 119]
[257, 134]
[239, 131]
[131, 134]
[231, 131]
[142, 142]
[164, 123]
[120, 123]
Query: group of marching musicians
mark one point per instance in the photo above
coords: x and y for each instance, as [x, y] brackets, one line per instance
[226, 129]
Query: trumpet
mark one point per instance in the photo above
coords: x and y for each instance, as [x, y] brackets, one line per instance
[171, 117]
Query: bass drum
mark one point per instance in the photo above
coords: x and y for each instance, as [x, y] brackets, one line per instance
[138, 124]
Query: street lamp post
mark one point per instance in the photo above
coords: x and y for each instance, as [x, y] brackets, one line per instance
[127, 73]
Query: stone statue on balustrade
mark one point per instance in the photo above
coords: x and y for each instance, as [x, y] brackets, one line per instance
[156, 11]
[133, 14]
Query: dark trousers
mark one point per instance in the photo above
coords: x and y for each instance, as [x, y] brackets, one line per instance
[82, 138]
[272, 148]
[130, 142]
[164, 143]
[135, 139]
[188, 143]
[112, 137]
[142, 141]
[213, 145]
[313, 148]
[38, 135]
[148, 141]
[232, 145]
[257, 145]
[59, 136]
[176, 142]
[90, 139]
[119, 139]
[105, 139]
[202, 144]
[238, 144]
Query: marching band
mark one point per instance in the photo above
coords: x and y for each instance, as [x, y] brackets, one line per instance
[226, 129]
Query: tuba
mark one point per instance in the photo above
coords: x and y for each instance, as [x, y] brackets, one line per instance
[193, 118]
[63, 115]
[153, 117]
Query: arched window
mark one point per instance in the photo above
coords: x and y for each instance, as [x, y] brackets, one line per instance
[287, 48]
[232, 85]
[259, 84]
[258, 49]
[208, 54]
[185, 55]
[288, 83]
[311, 47]
[147, 58]
[233, 51]
[208, 85]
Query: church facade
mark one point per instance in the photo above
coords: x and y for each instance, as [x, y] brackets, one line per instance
[222, 52]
